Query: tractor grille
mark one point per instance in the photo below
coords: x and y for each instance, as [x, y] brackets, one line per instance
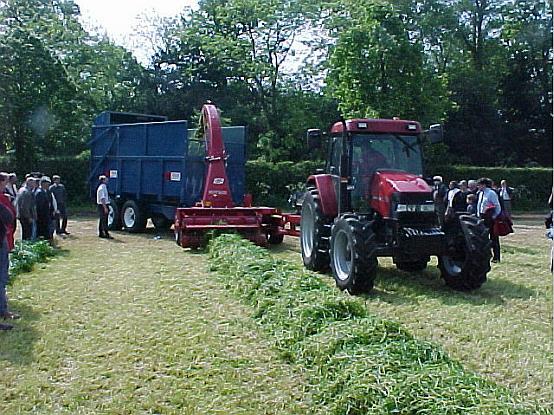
[414, 232]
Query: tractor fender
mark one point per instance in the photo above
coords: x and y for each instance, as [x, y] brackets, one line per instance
[324, 184]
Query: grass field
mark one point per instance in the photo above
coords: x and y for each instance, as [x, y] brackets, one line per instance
[502, 331]
[138, 325]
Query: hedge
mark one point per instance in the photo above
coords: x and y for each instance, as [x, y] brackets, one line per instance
[272, 183]
[73, 171]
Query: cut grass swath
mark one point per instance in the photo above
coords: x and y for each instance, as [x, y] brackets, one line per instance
[359, 364]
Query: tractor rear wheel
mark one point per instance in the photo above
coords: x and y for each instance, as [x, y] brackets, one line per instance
[413, 266]
[315, 230]
[468, 262]
[132, 217]
[353, 260]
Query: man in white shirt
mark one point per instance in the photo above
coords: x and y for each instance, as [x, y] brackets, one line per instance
[102, 200]
[488, 208]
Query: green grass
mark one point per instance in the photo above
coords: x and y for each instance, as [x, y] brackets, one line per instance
[360, 363]
[502, 331]
[136, 326]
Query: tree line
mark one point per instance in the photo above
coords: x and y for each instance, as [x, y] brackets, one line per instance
[483, 68]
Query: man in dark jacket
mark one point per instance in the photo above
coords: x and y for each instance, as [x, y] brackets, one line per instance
[45, 209]
[58, 190]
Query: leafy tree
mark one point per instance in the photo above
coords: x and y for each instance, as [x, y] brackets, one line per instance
[377, 68]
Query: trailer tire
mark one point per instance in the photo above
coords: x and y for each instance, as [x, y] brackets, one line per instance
[275, 238]
[315, 231]
[114, 218]
[353, 259]
[161, 223]
[466, 267]
[413, 266]
[132, 217]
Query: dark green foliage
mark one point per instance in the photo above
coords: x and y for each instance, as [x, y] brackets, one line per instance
[272, 183]
[26, 254]
[356, 363]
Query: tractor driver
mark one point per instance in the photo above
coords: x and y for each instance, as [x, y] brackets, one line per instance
[370, 160]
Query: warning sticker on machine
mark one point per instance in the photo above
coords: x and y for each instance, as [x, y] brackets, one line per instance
[175, 176]
[219, 180]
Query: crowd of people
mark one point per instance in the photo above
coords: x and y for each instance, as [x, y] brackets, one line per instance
[40, 206]
[481, 198]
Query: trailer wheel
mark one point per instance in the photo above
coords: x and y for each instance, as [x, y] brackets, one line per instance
[161, 223]
[132, 217]
[413, 266]
[468, 262]
[314, 233]
[275, 238]
[353, 259]
[114, 219]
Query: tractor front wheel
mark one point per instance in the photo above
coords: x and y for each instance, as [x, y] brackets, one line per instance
[353, 261]
[314, 233]
[466, 265]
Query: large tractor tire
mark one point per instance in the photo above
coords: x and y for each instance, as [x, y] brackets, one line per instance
[132, 217]
[466, 265]
[114, 218]
[353, 259]
[413, 266]
[315, 231]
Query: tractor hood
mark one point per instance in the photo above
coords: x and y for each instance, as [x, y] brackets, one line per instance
[386, 183]
[402, 182]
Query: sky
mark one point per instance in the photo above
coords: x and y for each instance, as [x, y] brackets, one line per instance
[120, 19]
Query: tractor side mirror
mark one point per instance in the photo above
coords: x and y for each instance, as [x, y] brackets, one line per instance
[314, 138]
[435, 134]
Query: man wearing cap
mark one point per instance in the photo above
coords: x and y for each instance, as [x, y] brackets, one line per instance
[58, 190]
[45, 209]
[102, 200]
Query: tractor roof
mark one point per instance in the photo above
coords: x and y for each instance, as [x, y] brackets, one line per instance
[369, 125]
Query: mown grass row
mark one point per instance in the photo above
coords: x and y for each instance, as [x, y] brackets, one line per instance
[26, 254]
[358, 363]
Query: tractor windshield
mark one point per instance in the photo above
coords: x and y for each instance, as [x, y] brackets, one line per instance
[385, 151]
[371, 152]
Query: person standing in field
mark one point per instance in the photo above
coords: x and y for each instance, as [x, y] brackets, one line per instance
[26, 208]
[488, 208]
[102, 200]
[45, 209]
[506, 194]
[7, 215]
[58, 190]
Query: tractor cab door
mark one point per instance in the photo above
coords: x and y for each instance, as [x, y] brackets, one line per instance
[336, 153]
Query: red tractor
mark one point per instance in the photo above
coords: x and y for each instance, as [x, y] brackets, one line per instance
[371, 201]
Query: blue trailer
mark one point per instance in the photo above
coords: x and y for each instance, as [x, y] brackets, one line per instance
[155, 166]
